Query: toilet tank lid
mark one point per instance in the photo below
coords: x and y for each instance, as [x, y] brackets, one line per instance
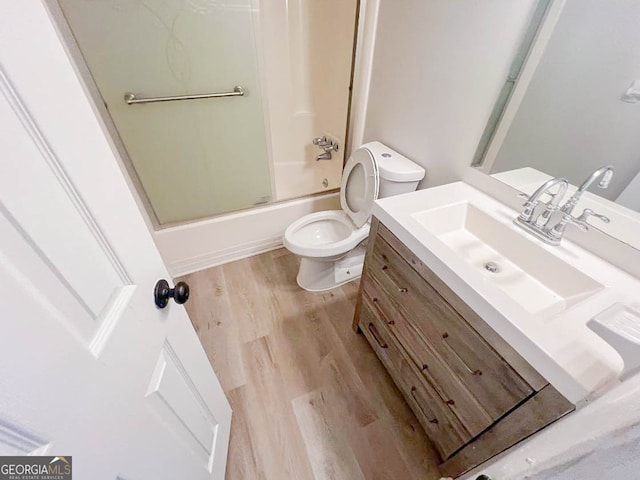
[394, 166]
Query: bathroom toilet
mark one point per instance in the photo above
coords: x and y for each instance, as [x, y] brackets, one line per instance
[331, 243]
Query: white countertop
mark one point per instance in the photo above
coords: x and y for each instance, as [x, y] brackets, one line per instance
[559, 346]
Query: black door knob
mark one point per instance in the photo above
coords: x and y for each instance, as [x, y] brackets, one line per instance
[162, 293]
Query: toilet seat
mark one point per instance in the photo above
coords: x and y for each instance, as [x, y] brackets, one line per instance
[360, 186]
[331, 244]
[336, 232]
[324, 234]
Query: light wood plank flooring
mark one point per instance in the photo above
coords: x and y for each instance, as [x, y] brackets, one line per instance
[309, 396]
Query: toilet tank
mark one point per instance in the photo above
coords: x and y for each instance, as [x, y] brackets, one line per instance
[397, 173]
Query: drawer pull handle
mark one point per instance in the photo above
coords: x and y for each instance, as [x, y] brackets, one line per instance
[384, 267]
[450, 402]
[413, 394]
[452, 350]
[374, 333]
[403, 290]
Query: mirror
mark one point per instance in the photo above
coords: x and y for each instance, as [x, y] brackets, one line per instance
[572, 107]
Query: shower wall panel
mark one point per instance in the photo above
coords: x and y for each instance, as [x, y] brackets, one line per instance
[195, 158]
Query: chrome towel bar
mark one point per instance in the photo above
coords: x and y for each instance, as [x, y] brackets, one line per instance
[131, 98]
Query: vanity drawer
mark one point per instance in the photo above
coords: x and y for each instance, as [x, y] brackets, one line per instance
[480, 326]
[492, 381]
[473, 393]
[441, 425]
[451, 391]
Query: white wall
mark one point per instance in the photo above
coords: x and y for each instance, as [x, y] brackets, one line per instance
[438, 68]
[572, 120]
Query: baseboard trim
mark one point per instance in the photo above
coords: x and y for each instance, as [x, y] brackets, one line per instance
[196, 246]
[213, 259]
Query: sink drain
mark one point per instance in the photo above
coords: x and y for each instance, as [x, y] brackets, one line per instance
[492, 267]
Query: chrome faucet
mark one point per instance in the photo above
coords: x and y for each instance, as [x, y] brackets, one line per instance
[527, 215]
[540, 224]
[536, 222]
[604, 173]
[327, 145]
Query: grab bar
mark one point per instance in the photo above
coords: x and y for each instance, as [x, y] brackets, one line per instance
[131, 98]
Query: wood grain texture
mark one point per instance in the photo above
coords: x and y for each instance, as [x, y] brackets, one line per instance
[439, 328]
[545, 407]
[524, 369]
[373, 234]
[310, 398]
[442, 426]
[470, 400]
[450, 388]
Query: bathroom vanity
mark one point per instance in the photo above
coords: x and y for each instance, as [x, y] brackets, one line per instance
[478, 354]
[472, 393]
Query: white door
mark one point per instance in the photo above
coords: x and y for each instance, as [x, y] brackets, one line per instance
[89, 367]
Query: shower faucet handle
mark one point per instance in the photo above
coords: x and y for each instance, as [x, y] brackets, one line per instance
[330, 147]
[320, 141]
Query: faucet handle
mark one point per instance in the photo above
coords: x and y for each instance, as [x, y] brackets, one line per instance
[578, 223]
[587, 212]
[557, 232]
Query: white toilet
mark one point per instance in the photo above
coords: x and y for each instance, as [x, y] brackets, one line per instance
[331, 242]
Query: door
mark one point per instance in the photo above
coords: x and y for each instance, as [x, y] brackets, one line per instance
[89, 367]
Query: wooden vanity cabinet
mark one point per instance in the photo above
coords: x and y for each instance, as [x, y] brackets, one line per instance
[474, 395]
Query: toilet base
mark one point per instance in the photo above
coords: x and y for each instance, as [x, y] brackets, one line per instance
[319, 275]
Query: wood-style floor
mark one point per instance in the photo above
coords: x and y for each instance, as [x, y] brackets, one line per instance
[310, 399]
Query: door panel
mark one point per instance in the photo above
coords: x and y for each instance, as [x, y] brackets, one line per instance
[67, 249]
[81, 337]
[179, 402]
[14, 441]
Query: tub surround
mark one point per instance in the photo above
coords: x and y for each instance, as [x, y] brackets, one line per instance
[558, 344]
[199, 245]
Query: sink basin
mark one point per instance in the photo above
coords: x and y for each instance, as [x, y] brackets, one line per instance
[540, 282]
[537, 297]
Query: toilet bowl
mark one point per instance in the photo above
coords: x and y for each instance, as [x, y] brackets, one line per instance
[331, 243]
